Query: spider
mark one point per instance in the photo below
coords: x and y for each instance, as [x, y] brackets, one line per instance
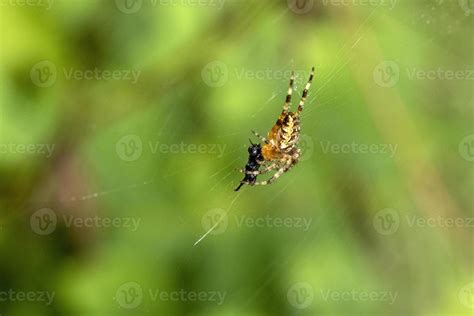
[280, 150]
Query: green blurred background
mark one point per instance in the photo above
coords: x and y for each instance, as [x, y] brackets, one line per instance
[123, 122]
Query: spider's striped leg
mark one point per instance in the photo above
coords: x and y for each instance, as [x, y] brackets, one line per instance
[276, 175]
[305, 92]
[286, 106]
[263, 139]
[255, 173]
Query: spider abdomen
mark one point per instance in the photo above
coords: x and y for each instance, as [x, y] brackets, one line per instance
[289, 132]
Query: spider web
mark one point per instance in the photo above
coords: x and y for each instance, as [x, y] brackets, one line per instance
[223, 177]
[343, 58]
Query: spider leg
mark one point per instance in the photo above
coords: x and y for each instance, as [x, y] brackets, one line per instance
[277, 174]
[305, 92]
[263, 139]
[272, 179]
[255, 173]
[286, 106]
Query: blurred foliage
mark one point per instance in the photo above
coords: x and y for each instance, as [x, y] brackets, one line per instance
[367, 91]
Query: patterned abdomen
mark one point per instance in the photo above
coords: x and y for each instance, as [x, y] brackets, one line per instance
[283, 136]
[289, 132]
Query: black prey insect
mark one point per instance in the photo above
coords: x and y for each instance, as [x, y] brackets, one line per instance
[252, 166]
